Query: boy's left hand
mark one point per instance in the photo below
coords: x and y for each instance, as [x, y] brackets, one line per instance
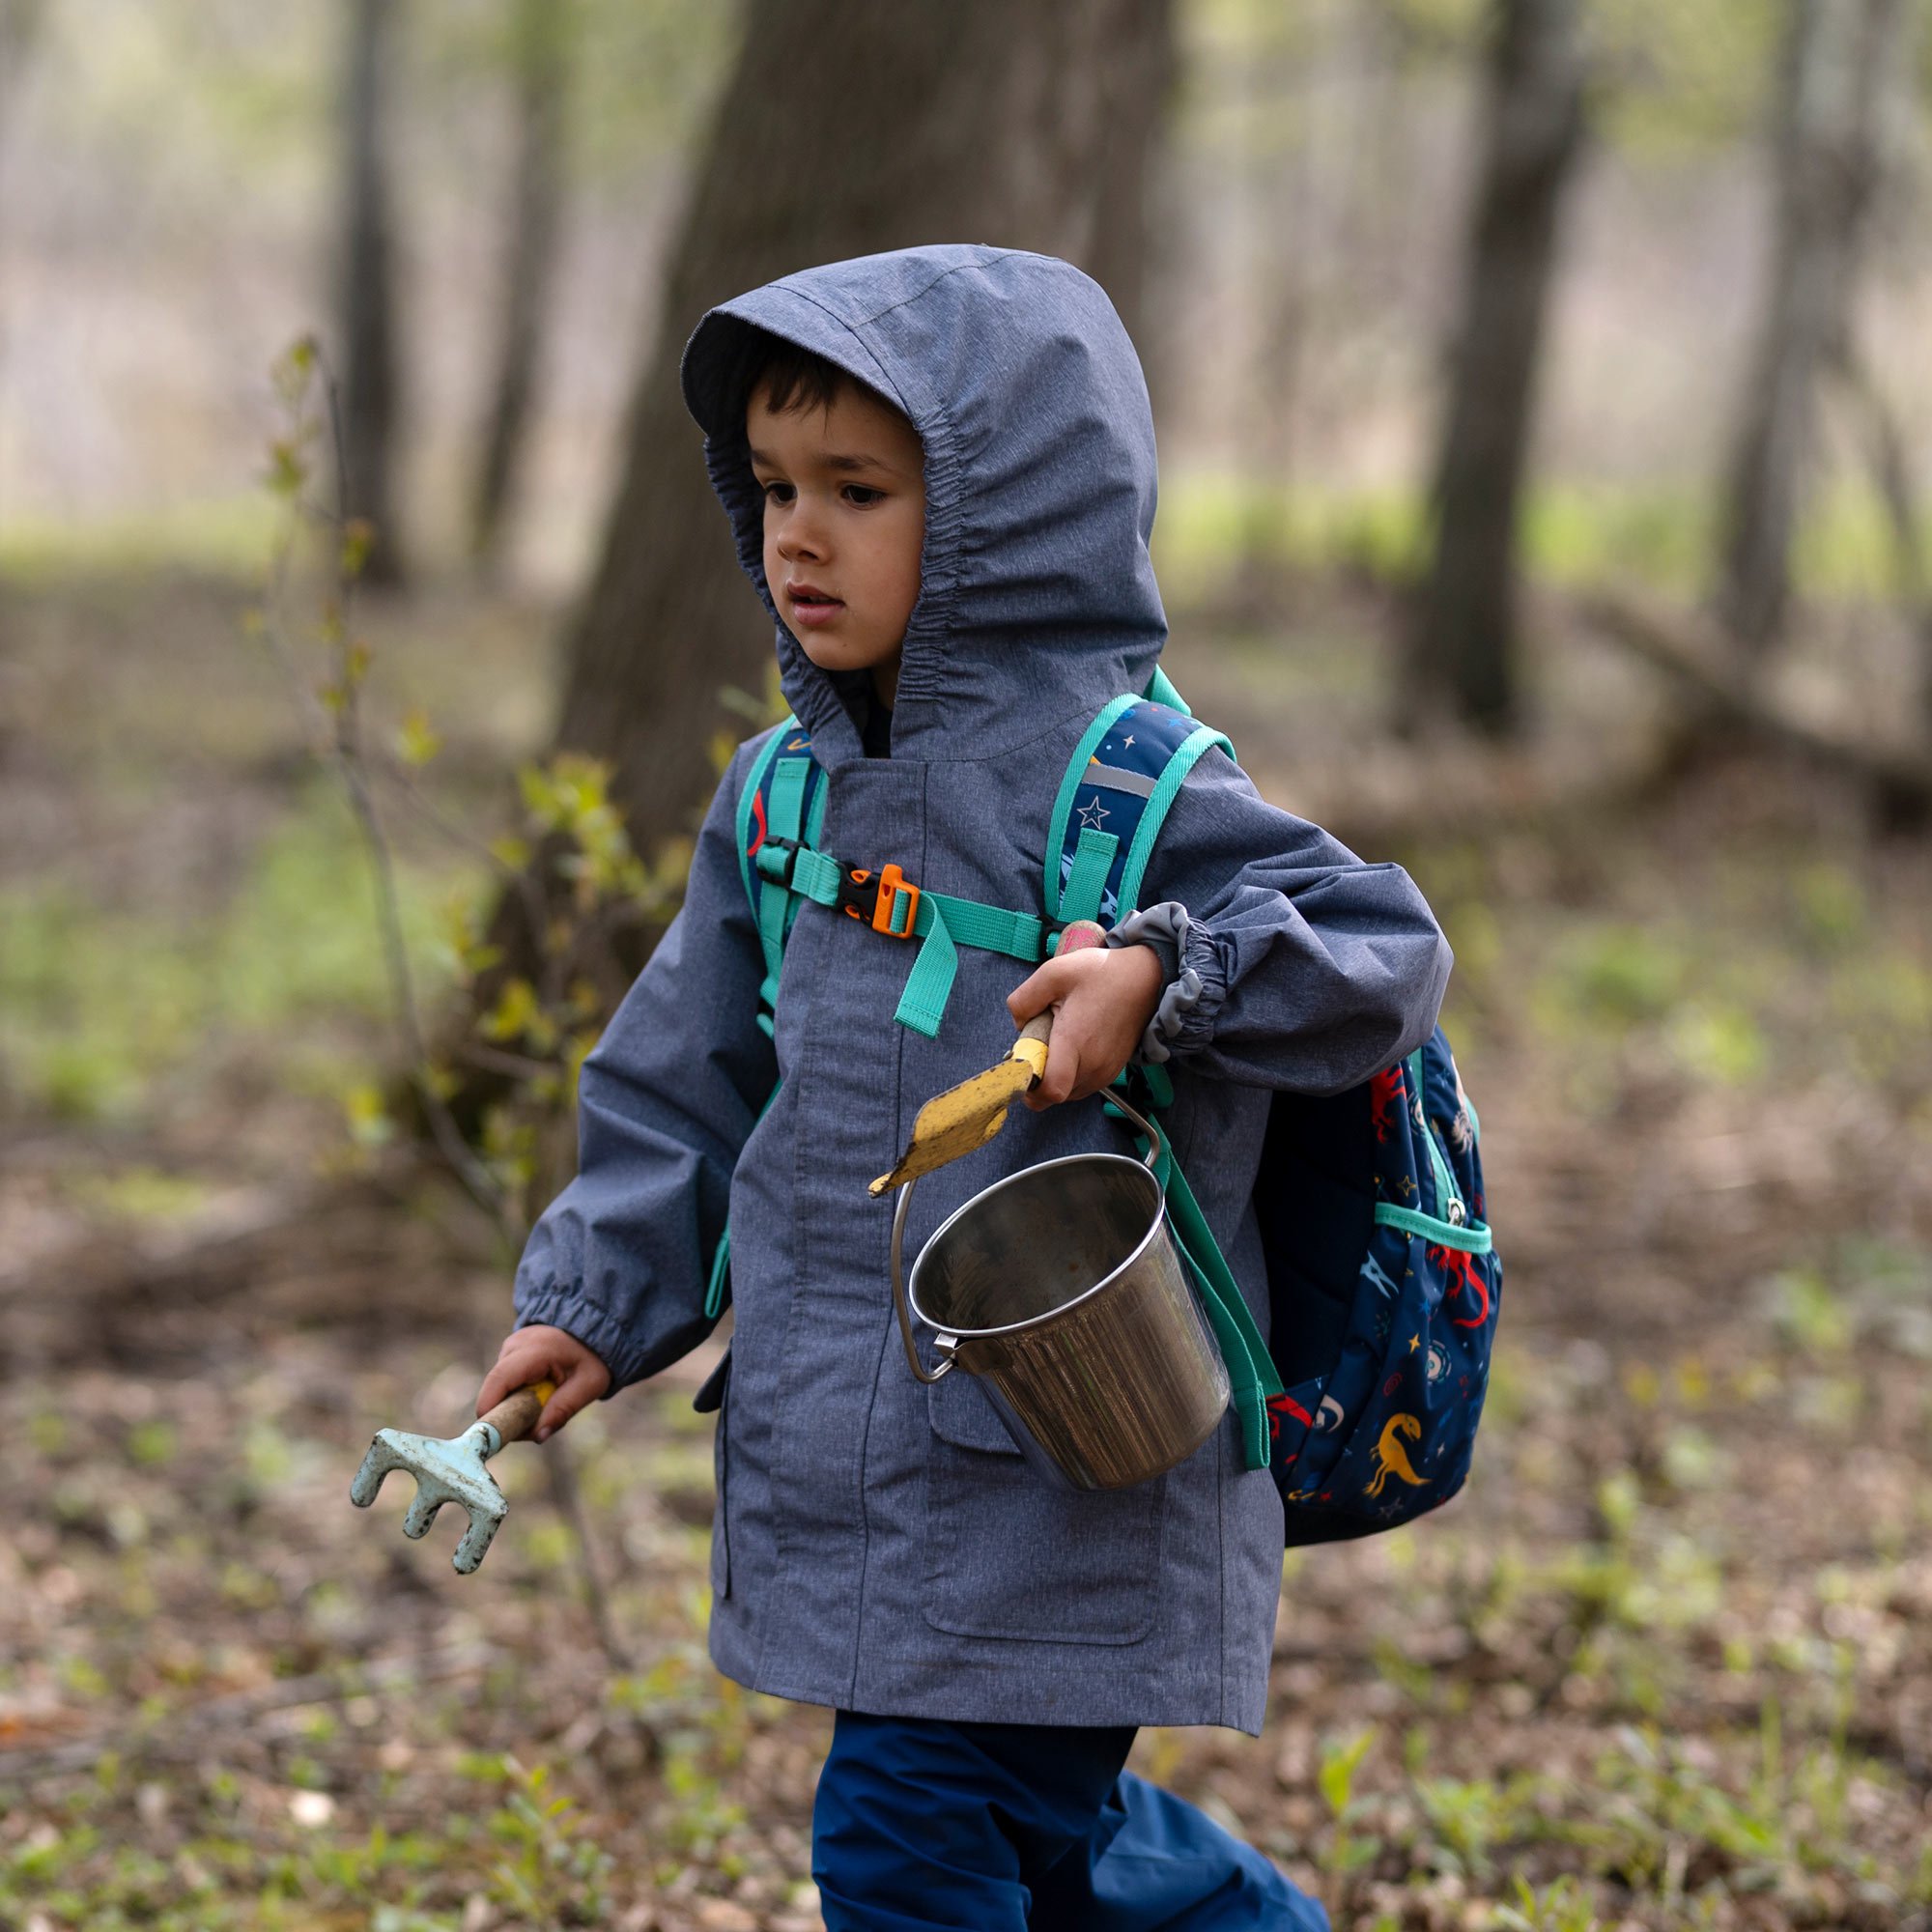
[1103, 997]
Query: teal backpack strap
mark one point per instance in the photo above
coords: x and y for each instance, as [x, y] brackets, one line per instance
[1161, 691]
[780, 814]
[782, 804]
[717, 1290]
[890, 903]
[1119, 784]
[1166, 788]
[1452, 1225]
[748, 799]
[1253, 1379]
[1125, 772]
[776, 789]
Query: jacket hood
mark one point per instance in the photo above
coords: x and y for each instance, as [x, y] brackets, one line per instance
[1036, 594]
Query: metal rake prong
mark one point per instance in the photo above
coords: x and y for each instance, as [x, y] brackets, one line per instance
[375, 1464]
[422, 1511]
[475, 1542]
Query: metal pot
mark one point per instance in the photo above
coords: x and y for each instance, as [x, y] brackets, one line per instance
[1061, 1288]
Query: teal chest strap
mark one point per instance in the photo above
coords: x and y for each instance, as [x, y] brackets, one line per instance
[890, 903]
[781, 813]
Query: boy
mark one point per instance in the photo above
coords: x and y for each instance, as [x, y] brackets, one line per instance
[939, 468]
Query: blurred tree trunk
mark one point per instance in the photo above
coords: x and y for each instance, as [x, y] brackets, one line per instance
[540, 35]
[1461, 643]
[1837, 55]
[369, 384]
[20, 24]
[1008, 121]
[1274, 179]
[1889, 455]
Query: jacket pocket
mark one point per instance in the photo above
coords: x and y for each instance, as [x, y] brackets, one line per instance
[1009, 1555]
[716, 1394]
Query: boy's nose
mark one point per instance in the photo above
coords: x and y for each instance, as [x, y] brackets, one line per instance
[803, 533]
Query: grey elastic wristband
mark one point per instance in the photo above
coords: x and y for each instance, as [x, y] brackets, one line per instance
[1184, 1017]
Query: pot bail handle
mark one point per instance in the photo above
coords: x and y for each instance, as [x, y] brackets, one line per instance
[901, 1305]
[1150, 1160]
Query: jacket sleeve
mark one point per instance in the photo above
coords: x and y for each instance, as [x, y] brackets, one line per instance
[622, 1256]
[1291, 963]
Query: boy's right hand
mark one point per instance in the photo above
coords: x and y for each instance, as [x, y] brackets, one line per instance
[542, 1354]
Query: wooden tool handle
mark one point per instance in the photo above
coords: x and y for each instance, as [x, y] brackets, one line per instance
[1076, 938]
[516, 1416]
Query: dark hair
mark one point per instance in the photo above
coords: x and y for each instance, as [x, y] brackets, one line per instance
[797, 377]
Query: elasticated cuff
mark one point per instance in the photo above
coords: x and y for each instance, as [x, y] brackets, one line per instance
[1196, 983]
[559, 1308]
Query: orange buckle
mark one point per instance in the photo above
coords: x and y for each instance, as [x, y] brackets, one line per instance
[891, 883]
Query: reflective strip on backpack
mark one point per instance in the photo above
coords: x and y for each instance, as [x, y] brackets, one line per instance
[1125, 773]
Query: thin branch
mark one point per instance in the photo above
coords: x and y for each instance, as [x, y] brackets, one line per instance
[340, 737]
[475, 1176]
[182, 1733]
[520, 878]
[341, 742]
[1690, 651]
[518, 1066]
[566, 1494]
[1887, 450]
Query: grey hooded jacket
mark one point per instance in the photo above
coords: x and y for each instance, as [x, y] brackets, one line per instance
[879, 1544]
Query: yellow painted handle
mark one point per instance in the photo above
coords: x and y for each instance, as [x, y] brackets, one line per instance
[1030, 1046]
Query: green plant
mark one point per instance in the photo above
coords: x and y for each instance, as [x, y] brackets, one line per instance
[1340, 1759]
[1562, 1907]
[570, 863]
[552, 1873]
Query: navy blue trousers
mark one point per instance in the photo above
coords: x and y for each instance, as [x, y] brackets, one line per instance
[999, 1827]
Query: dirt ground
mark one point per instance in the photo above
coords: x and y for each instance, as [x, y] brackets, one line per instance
[1667, 1664]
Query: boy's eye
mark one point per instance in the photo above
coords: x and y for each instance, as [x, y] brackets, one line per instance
[777, 493]
[863, 495]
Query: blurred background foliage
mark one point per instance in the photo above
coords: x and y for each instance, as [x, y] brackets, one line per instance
[1545, 422]
[191, 150]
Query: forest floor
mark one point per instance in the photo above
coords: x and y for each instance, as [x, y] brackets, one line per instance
[1667, 1663]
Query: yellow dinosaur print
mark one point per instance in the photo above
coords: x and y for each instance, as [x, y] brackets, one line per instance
[1391, 1458]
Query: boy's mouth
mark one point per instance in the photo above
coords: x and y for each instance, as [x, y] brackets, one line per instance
[812, 606]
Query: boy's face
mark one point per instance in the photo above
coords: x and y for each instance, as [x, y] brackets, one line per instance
[844, 524]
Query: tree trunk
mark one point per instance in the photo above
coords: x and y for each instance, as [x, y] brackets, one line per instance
[539, 30]
[1836, 56]
[369, 384]
[20, 24]
[1889, 454]
[1273, 177]
[848, 126]
[1462, 626]
[1006, 122]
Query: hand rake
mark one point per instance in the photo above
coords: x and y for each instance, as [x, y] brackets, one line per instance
[452, 1471]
